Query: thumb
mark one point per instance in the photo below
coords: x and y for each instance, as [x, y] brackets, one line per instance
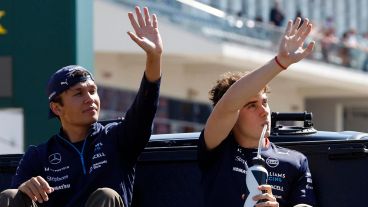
[134, 37]
[309, 49]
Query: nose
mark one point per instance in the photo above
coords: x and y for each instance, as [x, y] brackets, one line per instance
[88, 98]
[264, 111]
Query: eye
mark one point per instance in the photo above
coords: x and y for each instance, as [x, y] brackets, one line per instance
[252, 106]
[78, 94]
[92, 91]
[265, 102]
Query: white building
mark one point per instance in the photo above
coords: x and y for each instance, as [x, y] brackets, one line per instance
[195, 54]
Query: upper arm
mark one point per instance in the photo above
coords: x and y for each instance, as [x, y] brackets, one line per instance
[135, 131]
[303, 192]
[219, 125]
[27, 168]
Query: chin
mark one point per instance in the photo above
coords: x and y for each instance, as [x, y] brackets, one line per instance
[92, 120]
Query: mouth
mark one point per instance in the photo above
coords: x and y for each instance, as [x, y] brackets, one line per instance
[266, 123]
[90, 109]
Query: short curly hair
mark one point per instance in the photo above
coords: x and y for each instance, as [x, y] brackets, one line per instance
[223, 84]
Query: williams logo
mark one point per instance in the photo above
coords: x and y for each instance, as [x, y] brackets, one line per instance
[272, 162]
[55, 158]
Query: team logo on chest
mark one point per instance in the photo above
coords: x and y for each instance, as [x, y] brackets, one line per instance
[272, 162]
[55, 158]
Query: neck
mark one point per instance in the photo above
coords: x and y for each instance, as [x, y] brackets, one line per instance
[246, 141]
[75, 133]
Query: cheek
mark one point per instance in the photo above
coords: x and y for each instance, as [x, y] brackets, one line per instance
[244, 117]
[97, 99]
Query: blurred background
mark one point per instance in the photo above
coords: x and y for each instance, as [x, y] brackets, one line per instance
[202, 40]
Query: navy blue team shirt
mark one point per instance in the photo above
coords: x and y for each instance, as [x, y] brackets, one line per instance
[106, 158]
[224, 168]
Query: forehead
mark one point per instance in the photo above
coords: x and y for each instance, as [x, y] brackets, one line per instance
[86, 84]
[260, 95]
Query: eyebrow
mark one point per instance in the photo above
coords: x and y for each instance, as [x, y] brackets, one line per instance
[79, 88]
[250, 102]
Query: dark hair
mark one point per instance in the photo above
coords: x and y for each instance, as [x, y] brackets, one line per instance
[223, 84]
[75, 74]
[58, 100]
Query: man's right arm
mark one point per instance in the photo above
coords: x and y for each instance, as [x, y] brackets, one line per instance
[27, 180]
[226, 112]
[37, 189]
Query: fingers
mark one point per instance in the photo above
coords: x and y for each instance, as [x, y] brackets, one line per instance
[265, 188]
[267, 198]
[137, 40]
[140, 23]
[308, 50]
[133, 22]
[268, 204]
[139, 17]
[147, 16]
[45, 185]
[155, 24]
[37, 189]
[134, 37]
[295, 26]
[284, 38]
[288, 28]
[303, 28]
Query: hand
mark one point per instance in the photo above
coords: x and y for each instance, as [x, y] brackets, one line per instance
[146, 34]
[291, 46]
[270, 200]
[37, 189]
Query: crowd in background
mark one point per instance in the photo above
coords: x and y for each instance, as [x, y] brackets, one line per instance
[348, 47]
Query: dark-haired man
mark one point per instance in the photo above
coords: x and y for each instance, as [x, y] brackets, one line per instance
[231, 135]
[86, 163]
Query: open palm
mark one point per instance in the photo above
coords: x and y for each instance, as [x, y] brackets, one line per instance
[291, 48]
[146, 34]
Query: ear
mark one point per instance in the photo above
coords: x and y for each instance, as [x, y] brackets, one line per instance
[55, 108]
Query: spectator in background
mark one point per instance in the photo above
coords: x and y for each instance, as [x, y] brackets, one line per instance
[364, 45]
[328, 41]
[348, 44]
[258, 19]
[276, 15]
[329, 23]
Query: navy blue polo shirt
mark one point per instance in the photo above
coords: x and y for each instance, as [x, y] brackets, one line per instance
[106, 158]
[224, 168]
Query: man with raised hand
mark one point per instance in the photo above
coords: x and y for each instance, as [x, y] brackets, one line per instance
[87, 163]
[232, 133]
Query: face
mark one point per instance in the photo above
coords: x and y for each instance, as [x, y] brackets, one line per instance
[81, 105]
[253, 116]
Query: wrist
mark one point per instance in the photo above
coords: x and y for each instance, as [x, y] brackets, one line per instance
[153, 56]
[280, 63]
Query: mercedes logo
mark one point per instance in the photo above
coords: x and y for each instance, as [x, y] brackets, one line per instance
[55, 158]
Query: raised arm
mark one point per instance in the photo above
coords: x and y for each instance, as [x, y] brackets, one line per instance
[147, 36]
[225, 113]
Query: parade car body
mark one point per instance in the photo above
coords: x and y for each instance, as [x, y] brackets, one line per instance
[167, 173]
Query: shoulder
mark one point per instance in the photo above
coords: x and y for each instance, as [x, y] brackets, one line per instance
[229, 141]
[286, 151]
[36, 150]
[287, 155]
